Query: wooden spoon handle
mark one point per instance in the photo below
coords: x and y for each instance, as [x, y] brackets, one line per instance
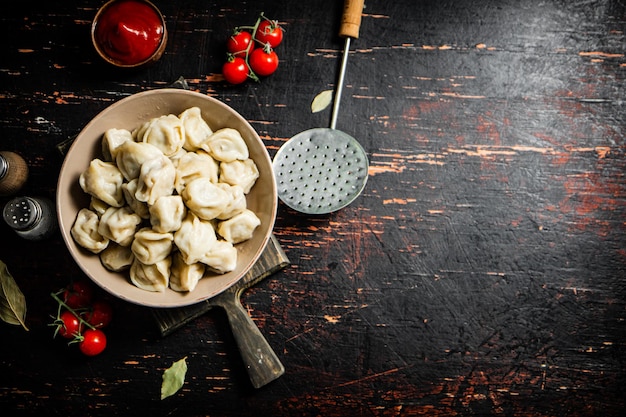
[351, 19]
[261, 362]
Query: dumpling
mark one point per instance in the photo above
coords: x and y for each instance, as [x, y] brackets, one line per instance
[194, 238]
[139, 207]
[154, 277]
[165, 132]
[84, 231]
[116, 258]
[150, 247]
[131, 156]
[184, 277]
[103, 180]
[98, 206]
[156, 179]
[167, 213]
[226, 145]
[244, 173]
[175, 157]
[111, 140]
[239, 227]
[197, 131]
[205, 198]
[237, 202]
[195, 165]
[222, 257]
[119, 225]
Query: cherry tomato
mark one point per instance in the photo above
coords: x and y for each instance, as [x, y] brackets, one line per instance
[235, 70]
[263, 61]
[238, 43]
[70, 326]
[93, 343]
[99, 315]
[269, 32]
[78, 294]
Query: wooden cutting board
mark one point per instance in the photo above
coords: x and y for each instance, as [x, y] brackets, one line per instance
[261, 362]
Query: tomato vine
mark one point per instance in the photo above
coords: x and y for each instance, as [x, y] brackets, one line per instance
[81, 319]
[250, 51]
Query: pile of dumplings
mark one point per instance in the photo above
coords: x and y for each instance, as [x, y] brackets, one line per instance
[168, 201]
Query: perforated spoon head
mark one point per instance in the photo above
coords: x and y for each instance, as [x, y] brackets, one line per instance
[320, 171]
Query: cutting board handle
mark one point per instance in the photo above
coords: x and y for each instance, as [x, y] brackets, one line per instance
[261, 362]
[351, 19]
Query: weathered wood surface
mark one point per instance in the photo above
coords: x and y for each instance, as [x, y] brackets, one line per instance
[481, 272]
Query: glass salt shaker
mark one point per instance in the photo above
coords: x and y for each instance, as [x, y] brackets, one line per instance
[33, 218]
[13, 173]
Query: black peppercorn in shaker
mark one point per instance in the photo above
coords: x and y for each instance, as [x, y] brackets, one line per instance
[13, 173]
[32, 218]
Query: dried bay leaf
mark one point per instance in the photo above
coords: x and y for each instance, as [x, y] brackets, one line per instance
[321, 101]
[12, 300]
[174, 378]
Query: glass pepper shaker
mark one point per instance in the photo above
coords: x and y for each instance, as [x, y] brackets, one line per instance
[13, 173]
[33, 218]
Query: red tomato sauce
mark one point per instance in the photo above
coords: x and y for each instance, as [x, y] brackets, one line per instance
[129, 31]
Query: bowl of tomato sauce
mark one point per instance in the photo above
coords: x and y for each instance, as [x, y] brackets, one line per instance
[129, 33]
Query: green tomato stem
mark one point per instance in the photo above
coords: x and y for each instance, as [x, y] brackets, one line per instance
[71, 310]
[253, 30]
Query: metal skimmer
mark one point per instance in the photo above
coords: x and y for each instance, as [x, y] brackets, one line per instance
[322, 170]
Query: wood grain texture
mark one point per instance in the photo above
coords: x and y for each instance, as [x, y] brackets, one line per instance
[481, 272]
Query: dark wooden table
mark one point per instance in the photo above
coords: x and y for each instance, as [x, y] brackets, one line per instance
[481, 272]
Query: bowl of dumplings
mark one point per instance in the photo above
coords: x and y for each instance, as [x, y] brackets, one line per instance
[166, 198]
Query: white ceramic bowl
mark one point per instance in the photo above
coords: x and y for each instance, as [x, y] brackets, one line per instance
[129, 113]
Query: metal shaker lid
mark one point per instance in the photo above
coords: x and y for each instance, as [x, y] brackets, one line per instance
[4, 166]
[21, 213]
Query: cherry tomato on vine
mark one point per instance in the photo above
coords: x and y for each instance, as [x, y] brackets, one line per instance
[78, 294]
[235, 70]
[93, 342]
[263, 61]
[269, 32]
[99, 315]
[238, 43]
[69, 325]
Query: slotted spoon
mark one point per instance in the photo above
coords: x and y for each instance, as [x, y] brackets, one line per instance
[322, 170]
